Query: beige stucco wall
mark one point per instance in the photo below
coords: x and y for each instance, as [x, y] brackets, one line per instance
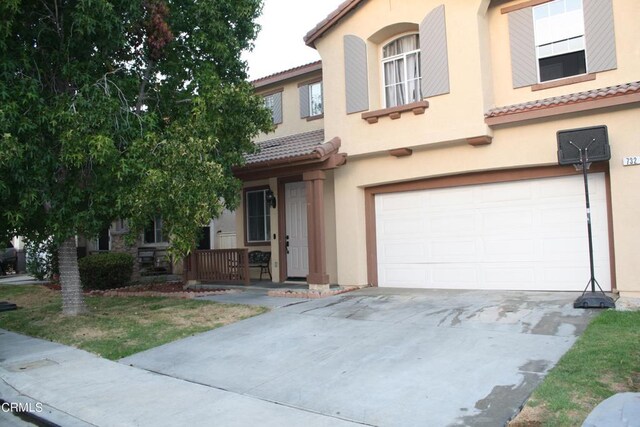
[626, 14]
[449, 117]
[291, 121]
[480, 79]
[526, 145]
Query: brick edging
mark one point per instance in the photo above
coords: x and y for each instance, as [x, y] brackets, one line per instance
[290, 293]
[124, 292]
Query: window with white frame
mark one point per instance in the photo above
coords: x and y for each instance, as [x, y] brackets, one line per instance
[559, 38]
[401, 71]
[274, 103]
[258, 220]
[153, 232]
[315, 99]
[270, 101]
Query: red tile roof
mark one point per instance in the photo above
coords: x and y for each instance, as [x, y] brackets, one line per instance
[574, 98]
[287, 74]
[288, 147]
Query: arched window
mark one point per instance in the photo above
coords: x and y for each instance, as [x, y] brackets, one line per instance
[401, 70]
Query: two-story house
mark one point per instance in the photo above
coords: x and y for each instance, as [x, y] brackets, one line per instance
[422, 150]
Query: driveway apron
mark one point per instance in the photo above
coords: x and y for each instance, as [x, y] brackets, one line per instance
[387, 357]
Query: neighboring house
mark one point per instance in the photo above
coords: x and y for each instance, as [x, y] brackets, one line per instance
[448, 111]
[218, 234]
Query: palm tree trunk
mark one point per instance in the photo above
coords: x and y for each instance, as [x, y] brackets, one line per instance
[72, 299]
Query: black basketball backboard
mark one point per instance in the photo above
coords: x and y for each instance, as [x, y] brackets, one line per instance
[594, 141]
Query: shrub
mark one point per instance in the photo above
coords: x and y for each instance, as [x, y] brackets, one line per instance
[105, 271]
[41, 260]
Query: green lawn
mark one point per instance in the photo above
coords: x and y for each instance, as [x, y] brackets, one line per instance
[115, 326]
[604, 361]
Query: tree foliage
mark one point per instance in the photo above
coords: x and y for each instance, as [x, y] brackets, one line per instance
[123, 109]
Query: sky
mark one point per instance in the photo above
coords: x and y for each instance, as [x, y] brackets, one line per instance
[284, 23]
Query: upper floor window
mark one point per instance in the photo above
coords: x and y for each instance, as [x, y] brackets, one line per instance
[315, 99]
[401, 71]
[273, 102]
[560, 39]
[258, 219]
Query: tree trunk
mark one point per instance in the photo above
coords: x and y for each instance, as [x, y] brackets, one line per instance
[72, 299]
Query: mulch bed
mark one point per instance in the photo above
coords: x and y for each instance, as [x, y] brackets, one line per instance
[169, 289]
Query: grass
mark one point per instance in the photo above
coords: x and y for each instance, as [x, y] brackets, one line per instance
[115, 327]
[604, 361]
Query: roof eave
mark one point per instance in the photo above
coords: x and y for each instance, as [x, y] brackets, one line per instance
[320, 153]
[287, 74]
[331, 20]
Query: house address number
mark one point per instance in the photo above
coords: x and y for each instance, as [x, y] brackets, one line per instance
[631, 161]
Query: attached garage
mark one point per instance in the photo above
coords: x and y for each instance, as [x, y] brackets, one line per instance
[522, 234]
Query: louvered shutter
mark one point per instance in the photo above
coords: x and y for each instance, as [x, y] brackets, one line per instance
[304, 101]
[599, 35]
[524, 67]
[277, 108]
[356, 80]
[434, 58]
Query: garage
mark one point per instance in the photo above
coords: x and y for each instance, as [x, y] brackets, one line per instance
[519, 235]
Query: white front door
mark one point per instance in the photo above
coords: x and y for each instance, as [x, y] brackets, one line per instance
[296, 227]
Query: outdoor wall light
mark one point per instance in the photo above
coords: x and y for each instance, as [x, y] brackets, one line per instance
[271, 198]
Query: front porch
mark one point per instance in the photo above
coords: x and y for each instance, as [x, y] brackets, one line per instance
[288, 207]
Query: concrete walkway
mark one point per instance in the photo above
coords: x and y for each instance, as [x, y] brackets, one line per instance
[77, 388]
[20, 279]
[378, 357]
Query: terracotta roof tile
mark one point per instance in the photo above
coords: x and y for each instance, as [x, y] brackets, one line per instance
[574, 98]
[287, 74]
[291, 146]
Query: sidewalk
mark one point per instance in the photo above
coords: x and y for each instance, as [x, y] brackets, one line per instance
[76, 388]
[20, 279]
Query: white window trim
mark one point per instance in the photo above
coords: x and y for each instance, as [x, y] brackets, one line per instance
[538, 57]
[310, 86]
[266, 219]
[384, 60]
[270, 104]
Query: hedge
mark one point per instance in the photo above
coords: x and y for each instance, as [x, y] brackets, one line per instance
[105, 271]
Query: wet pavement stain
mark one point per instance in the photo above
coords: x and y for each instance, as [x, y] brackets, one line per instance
[502, 404]
[331, 304]
[455, 313]
[537, 366]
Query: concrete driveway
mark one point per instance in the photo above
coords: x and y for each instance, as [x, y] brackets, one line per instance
[387, 357]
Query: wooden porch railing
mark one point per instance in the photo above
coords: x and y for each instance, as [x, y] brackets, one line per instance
[218, 265]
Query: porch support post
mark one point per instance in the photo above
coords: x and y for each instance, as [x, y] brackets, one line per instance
[318, 279]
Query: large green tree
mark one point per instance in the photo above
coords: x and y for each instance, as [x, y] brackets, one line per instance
[122, 109]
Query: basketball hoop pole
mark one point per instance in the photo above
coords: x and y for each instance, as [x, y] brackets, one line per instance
[593, 299]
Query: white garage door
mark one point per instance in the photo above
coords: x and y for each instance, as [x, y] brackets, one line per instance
[521, 235]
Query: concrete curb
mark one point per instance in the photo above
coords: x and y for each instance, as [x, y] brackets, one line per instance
[37, 412]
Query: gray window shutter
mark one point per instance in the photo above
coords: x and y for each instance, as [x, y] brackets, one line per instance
[599, 35]
[304, 101]
[277, 108]
[524, 67]
[434, 59]
[355, 68]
